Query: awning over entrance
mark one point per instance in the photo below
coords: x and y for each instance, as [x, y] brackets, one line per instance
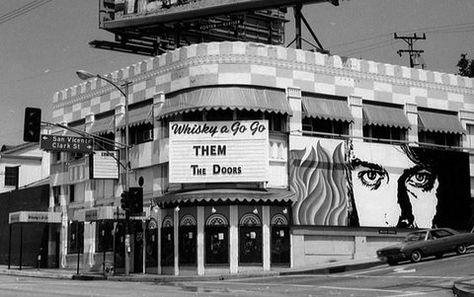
[379, 115]
[326, 109]
[34, 217]
[224, 195]
[99, 214]
[102, 126]
[432, 121]
[240, 98]
[138, 116]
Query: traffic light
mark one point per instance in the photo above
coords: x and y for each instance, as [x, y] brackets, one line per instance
[125, 201]
[32, 127]
[136, 200]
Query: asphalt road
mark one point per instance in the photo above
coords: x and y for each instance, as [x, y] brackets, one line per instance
[428, 278]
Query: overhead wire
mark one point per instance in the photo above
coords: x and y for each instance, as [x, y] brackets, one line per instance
[22, 10]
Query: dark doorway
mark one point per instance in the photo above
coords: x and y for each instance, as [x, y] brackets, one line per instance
[137, 231]
[280, 245]
[151, 244]
[167, 246]
[119, 256]
[250, 239]
[217, 244]
[187, 245]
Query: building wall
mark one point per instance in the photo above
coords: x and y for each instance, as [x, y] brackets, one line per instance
[35, 236]
[294, 71]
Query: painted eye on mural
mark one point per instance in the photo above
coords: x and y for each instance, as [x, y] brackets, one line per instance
[372, 178]
[421, 179]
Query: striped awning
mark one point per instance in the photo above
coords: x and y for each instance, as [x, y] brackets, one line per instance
[102, 126]
[380, 115]
[232, 195]
[138, 116]
[432, 121]
[326, 109]
[240, 98]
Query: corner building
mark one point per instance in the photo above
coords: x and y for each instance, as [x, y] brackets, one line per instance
[254, 157]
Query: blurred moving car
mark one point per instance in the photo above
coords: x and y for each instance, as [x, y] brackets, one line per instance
[424, 243]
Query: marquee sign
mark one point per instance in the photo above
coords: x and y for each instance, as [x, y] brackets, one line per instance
[104, 165]
[205, 152]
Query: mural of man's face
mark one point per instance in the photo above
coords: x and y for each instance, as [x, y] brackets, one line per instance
[381, 173]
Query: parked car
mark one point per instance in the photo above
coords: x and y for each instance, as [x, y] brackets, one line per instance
[424, 243]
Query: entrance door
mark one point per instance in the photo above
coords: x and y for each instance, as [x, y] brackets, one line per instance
[280, 248]
[187, 245]
[250, 239]
[217, 245]
[137, 231]
[151, 244]
[280, 240]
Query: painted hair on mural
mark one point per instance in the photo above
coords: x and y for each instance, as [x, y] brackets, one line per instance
[317, 177]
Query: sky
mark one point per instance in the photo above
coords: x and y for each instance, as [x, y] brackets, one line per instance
[41, 49]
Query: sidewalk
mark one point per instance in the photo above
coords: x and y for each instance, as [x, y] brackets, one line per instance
[325, 268]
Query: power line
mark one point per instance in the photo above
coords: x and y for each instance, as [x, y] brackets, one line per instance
[22, 10]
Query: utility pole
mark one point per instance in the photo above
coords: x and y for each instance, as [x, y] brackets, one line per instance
[410, 40]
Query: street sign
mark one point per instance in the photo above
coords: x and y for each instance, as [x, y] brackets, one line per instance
[66, 144]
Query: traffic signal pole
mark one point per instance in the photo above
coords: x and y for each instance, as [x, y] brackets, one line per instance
[127, 180]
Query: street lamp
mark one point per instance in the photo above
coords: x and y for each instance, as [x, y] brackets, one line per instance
[122, 87]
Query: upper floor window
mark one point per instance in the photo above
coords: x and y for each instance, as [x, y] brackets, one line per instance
[383, 122]
[141, 133]
[11, 176]
[439, 138]
[325, 114]
[439, 127]
[325, 126]
[384, 133]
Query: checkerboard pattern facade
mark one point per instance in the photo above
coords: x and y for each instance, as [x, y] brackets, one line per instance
[240, 63]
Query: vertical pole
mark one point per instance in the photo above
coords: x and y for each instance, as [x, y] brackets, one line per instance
[113, 242]
[103, 246]
[297, 11]
[77, 246]
[144, 246]
[9, 246]
[21, 244]
[127, 183]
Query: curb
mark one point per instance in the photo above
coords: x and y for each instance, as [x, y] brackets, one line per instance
[330, 268]
[464, 288]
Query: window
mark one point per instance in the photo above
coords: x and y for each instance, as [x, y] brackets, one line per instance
[11, 176]
[141, 133]
[276, 122]
[325, 126]
[192, 116]
[56, 194]
[104, 144]
[219, 115]
[104, 236]
[75, 156]
[76, 237]
[71, 193]
[438, 138]
[56, 157]
[384, 133]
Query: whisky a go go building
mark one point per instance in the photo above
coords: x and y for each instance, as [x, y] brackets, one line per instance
[254, 157]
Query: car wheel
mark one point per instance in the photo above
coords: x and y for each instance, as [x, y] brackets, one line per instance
[415, 256]
[461, 249]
